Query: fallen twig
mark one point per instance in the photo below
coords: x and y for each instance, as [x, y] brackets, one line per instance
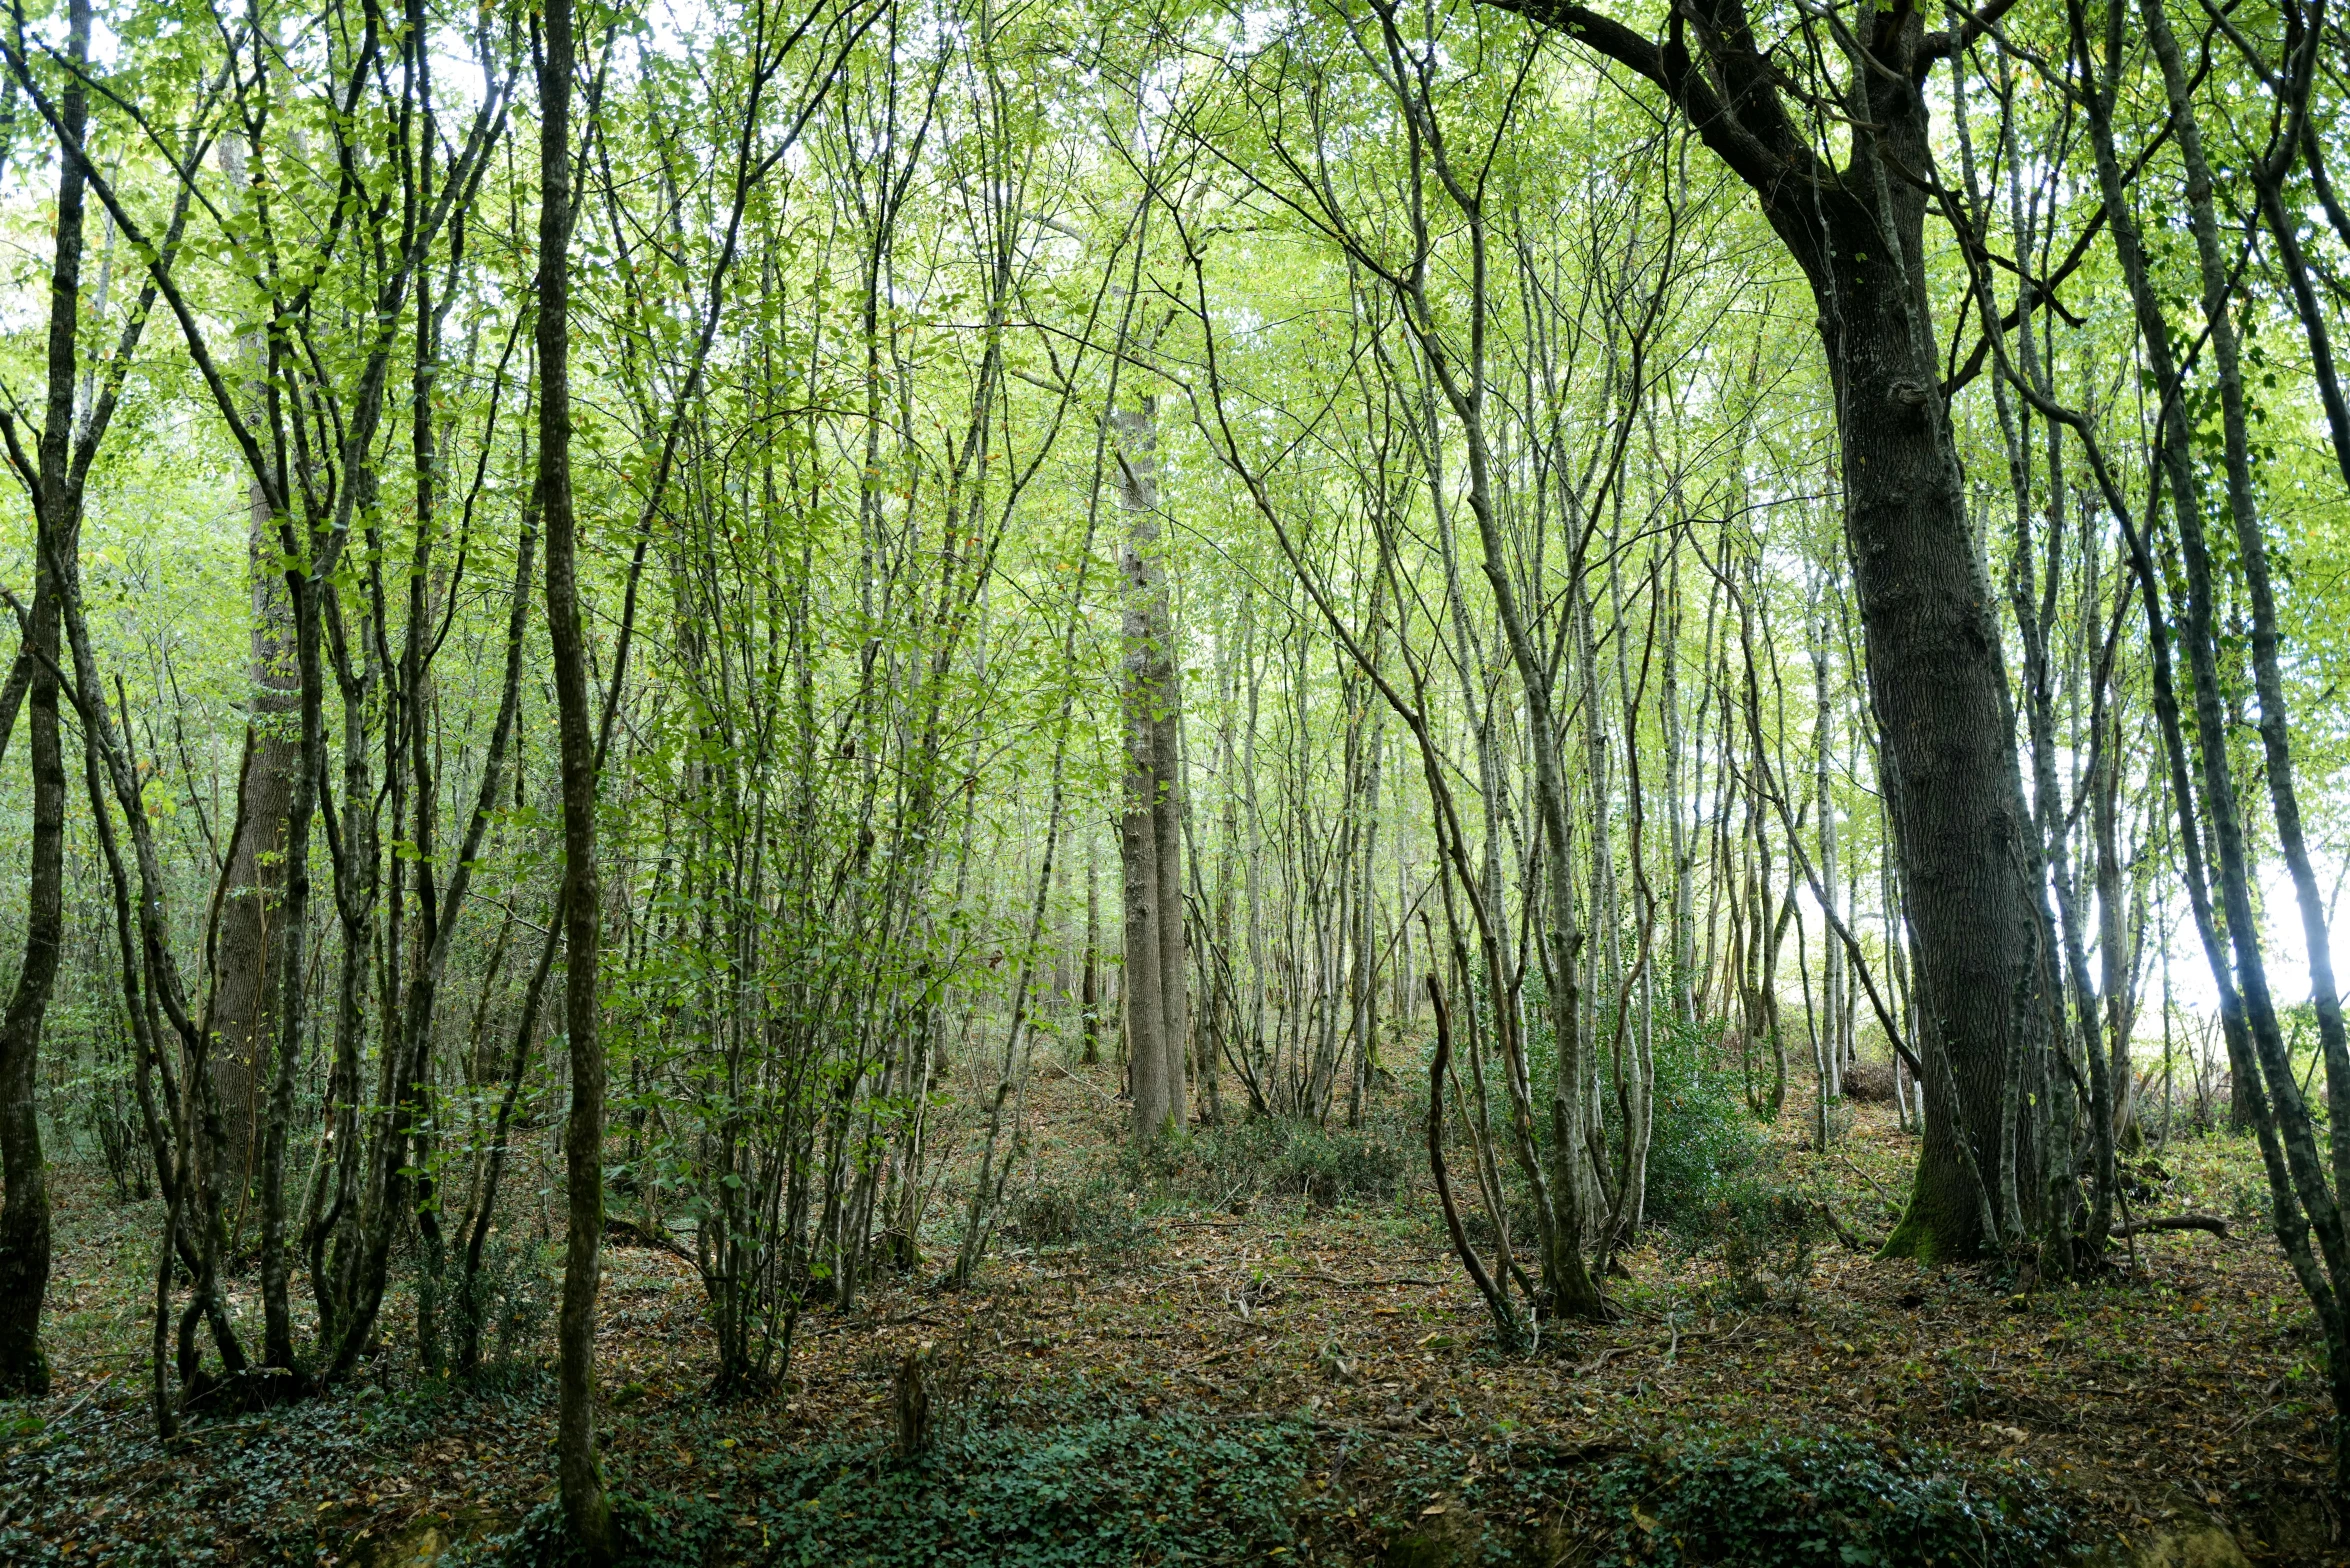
[1596, 1362]
[88, 1394]
[1369, 1284]
[1846, 1161]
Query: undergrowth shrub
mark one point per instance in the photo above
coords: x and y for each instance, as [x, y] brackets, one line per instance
[1477, 1219]
[2249, 1201]
[1773, 1500]
[1765, 1233]
[105, 1111]
[1270, 1157]
[1709, 1183]
[1095, 1213]
[1705, 1145]
[1108, 1491]
[511, 1300]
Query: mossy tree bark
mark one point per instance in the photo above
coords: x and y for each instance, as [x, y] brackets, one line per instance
[587, 1512]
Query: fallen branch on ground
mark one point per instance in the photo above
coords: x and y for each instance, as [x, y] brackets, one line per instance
[2210, 1222]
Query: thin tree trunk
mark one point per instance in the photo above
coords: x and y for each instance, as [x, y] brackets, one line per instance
[2252, 553]
[24, 1211]
[586, 1511]
[1832, 987]
[1089, 994]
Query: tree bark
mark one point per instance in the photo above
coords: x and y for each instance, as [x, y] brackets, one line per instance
[1089, 993]
[1138, 856]
[24, 1209]
[587, 1512]
[1150, 829]
[1939, 694]
[243, 1010]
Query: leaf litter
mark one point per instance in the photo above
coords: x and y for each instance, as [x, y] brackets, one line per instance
[2185, 1385]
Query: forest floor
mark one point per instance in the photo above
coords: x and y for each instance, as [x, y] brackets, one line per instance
[1293, 1383]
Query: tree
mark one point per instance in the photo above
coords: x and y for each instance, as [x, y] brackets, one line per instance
[245, 1005]
[1937, 672]
[78, 411]
[1150, 825]
[586, 1512]
[24, 1215]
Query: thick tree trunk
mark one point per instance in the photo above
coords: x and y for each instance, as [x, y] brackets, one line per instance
[586, 1511]
[1937, 674]
[243, 1011]
[290, 969]
[1138, 859]
[1938, 691]
[24, 1214]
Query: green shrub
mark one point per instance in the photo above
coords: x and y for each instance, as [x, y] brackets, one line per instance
[655, 1530]
[2249, 1200]
[1705, 1144]
[1094, 1213]
[1776, 1501]
[1765, 1234]
[103, 1105]
[511, 1300]
[1269, 1157]
[1110, 1491]
[1327, 1167]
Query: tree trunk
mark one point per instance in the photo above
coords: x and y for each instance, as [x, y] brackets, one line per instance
[1939, 695]
[1167, 800]
[1937, 675]
[1938, 691]
[1138, 857]
[1832, 984]
[1089, 993]
[244, 1012]
[1150, 831]
[24, 1209]
[586, 1511]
